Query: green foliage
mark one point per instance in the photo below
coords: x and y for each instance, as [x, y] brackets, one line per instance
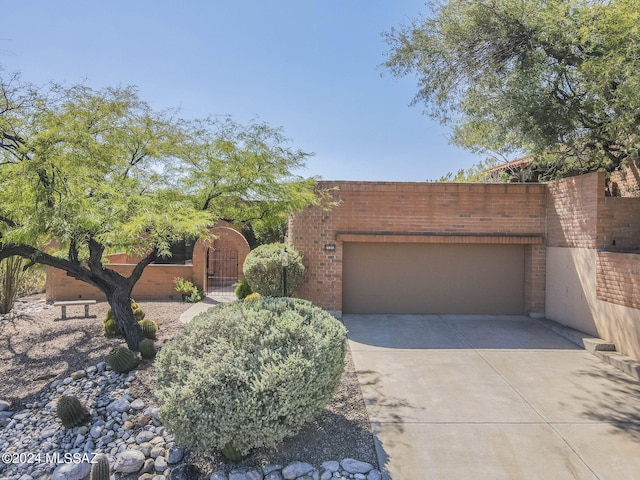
[147, 349]
[100, 171]
[71, 412]
[242, 289]
[149, 328]
[121, 360]
[100, 469]
[252, 296]
[11, 276]
[557, 79]
[249, 374]
[191, 293]
[263, 269]
[33, 281]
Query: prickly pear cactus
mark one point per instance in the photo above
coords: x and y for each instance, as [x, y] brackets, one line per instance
[149, 328]
[71, 412]
[147, 349]
[121, 360]
[100, 469]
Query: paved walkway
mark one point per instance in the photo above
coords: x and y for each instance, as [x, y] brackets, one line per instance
[492, 397]
[205, 304]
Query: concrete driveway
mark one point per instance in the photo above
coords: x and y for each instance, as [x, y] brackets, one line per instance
[492, 397]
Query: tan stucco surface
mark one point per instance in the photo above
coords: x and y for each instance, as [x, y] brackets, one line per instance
[571, 300]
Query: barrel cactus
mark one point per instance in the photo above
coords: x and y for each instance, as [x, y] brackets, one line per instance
[147, 349]
[149, 328]
[100, 470]
[109, 324]
[121, 360]
[138, 313]
[71, 412]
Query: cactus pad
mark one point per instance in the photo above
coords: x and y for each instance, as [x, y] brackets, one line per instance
[109, 324]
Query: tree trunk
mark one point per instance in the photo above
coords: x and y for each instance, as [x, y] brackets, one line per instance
[126, 323]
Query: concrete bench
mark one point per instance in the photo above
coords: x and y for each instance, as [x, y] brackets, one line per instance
[72, 303]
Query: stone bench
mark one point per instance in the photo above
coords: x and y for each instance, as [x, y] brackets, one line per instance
[72, 303]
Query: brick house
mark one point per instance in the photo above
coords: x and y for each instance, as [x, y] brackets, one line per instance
[564, 250]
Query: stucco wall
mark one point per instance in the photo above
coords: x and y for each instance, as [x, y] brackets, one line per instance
[572, 300]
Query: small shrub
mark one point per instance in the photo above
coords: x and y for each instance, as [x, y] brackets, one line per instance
[190, 292]
[263, 269]
[242, 289]
[249, 374]
[252, 296]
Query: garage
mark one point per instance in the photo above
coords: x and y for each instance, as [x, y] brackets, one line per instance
[438, 278]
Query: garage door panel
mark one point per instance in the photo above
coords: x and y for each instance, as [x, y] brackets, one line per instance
[433, 278]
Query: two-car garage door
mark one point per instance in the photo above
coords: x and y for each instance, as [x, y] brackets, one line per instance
[433, 278]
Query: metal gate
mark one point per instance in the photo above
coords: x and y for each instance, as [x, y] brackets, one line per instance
[222, 268]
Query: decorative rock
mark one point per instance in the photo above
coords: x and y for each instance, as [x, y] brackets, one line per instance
[129, 461]
[331, 466]
[276, 475]
[374, 475]
[220, 475]
[160, 464]
[78, 375]
[137, 404]
[271, 468]
[4, 405]
[245, 474]
[183, 472]
[128, 425]
[359, 476]
[296, 469]
[120, 405]
[326, 475]
[49, 431]
[156, 452]
[144, 436]
[71, 471]
[174, 455]
[355, 466]
[148, 466]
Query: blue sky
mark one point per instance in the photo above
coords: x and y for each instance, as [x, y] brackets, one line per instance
[308, 66]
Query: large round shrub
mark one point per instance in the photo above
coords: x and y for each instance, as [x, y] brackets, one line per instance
[249, 373]
[263, 269]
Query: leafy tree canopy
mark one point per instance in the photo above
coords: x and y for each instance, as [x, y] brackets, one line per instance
[558, 79]
[99, 170]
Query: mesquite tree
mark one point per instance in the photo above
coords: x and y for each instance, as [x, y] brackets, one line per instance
[89, 172]
[557, 79]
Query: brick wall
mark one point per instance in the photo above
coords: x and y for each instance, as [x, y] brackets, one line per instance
[572, 205]
[156, 283]
[618, 278]
[417, 212]
[626, 181]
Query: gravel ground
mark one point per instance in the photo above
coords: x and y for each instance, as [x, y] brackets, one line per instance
[37, 347]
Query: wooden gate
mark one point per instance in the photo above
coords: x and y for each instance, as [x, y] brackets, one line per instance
[222, 268]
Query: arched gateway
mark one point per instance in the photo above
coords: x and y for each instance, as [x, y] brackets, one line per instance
[218, 262]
